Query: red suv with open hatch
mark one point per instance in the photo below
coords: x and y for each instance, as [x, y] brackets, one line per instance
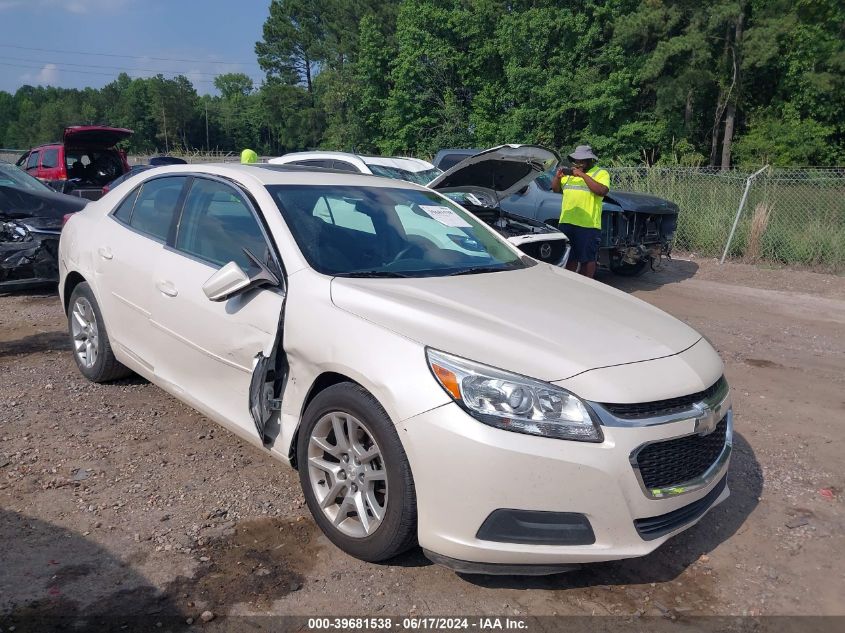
[82, 163]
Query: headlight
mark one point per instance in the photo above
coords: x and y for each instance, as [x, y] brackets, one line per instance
[14, 232]
[513, 402]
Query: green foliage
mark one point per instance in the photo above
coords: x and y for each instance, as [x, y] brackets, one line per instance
[785, 139]
[652, 81]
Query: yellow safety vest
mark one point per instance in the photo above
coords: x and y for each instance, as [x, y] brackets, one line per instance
[580, 206]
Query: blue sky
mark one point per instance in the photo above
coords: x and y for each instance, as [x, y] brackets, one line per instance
[197, 38]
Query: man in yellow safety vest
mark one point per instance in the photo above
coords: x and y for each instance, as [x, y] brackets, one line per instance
[583, 186]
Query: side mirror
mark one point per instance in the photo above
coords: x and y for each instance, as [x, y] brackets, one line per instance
[231, 280]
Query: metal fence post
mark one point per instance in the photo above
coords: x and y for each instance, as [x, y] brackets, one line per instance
[748, 182]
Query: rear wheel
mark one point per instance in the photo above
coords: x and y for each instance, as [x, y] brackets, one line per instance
[91, 347]
[355, 475]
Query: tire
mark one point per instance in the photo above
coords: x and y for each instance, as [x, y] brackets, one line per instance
[362, 417]
[628, 270]
[89, 338]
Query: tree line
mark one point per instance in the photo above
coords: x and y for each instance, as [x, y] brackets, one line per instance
[721, 83]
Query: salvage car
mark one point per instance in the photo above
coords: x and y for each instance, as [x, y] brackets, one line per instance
[82, 163]
[472, 185]
[637, 229]
[507, 415]
[30, 223]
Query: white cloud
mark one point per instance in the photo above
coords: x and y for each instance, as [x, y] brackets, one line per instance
[48, 76]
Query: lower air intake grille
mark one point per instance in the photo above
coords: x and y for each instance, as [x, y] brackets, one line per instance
[655, 527]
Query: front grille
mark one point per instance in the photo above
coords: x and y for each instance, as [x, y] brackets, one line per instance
[655, 527]
[553, 254]
[674, 462]
[663, 407]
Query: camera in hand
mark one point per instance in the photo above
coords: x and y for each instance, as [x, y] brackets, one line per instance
[564, 170]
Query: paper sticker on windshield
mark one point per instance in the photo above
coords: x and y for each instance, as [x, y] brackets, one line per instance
[445, 216]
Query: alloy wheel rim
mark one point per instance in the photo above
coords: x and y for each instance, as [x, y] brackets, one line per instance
[86, 338]
[347, 474]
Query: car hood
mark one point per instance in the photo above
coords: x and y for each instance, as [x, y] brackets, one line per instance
[17, 203]
[95, 135]
[540, 321]
[502, 170]
[640, 202]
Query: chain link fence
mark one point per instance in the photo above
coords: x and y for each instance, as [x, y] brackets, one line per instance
[791, 216]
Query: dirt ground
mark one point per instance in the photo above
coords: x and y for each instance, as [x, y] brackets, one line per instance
[118, 502]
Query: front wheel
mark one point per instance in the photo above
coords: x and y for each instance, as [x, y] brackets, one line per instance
[355, 474]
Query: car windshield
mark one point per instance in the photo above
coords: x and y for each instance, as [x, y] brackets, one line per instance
[385, 232]
[420, 177]
[11, 176]
[544, 180]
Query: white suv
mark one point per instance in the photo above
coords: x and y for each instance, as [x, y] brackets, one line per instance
[507, 415]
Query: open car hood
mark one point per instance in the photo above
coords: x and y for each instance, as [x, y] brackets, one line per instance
[502, 170]
[95, 135]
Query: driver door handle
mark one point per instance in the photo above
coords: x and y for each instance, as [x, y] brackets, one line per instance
[105, 252]
[167, 288]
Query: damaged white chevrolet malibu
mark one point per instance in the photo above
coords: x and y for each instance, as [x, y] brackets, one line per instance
[430, 383]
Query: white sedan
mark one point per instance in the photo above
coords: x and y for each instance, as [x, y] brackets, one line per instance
[505, 414]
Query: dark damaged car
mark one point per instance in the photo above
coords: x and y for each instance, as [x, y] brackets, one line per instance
[30, 224]
[637, 229]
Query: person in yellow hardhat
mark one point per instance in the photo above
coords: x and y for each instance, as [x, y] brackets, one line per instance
[248, 156]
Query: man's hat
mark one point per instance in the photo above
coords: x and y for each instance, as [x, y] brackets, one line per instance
[583, 152]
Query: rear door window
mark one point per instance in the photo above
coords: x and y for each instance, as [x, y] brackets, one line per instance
[124, 211]
[342, 165]
[217, 226]
[313, 163]
[156, 205]
[50, 158]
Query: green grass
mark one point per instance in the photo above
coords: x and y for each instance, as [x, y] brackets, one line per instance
[806, 226]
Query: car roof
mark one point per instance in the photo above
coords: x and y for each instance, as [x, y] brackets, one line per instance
[315, 155]
[267, 174]
[401, 162]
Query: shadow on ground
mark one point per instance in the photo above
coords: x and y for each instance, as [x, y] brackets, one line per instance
[673, 557]
[671, 272]
[36, 343]
[55, 579]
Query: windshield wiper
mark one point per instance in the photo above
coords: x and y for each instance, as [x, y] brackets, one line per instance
[373, 273]
[479, 270]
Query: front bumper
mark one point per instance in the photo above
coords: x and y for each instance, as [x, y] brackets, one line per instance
[30, 263]
[464, 470]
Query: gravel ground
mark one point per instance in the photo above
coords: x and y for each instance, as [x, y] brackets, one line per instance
[118, 502]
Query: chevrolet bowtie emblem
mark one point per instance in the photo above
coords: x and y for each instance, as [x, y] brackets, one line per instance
[706, 418]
